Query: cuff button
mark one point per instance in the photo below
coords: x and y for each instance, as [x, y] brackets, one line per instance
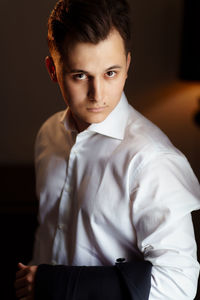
[120, 260]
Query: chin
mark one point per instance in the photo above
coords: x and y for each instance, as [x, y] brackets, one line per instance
[96, 119]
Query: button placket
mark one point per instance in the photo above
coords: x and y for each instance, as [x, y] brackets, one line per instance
[60, 226]
[66, 196]
[64, 208]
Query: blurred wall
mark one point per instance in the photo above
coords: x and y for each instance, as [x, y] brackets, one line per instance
[27, 95]
[157, 34]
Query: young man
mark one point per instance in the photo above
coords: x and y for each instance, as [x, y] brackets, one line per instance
[110, 183]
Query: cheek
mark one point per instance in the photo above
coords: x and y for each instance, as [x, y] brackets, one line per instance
[72, 92]
[118, 86]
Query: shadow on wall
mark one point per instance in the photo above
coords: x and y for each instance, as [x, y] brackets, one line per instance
[18, 221]
[156, 31]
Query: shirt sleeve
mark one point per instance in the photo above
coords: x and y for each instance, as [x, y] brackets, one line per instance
[130, 281]
[165, 193]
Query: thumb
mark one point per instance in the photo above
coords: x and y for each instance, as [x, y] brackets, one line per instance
[21, 266]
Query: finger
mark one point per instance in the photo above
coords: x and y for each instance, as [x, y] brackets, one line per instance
[20, 283]
[25, 291]
[22, 292]
[21, 273]
[21, 266]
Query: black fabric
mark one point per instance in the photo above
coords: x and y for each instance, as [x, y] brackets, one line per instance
[124, 281]
[137, 277]
[97, 283]
[51, 282]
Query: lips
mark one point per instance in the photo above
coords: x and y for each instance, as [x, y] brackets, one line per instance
[96, 109]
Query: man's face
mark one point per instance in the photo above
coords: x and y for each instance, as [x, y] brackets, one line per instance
[92, 77]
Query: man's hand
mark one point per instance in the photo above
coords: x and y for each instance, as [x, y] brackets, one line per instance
[24, 283]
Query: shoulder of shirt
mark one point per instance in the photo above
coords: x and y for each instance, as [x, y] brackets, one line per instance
[52, 122]
[144, 135]
[151, 149]
[146, 144]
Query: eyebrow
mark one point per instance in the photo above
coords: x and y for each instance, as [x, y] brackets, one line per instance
[83, 71]
[114, 67]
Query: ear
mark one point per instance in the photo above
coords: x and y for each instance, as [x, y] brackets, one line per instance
[128, 62]
[51, 68]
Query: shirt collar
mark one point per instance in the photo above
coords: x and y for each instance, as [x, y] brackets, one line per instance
[67, 121]
[113, 126]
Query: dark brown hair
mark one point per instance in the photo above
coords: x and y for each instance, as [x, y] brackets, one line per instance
[88, 21]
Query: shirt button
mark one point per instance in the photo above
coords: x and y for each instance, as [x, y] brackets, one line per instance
[68, 189]
[60, 227]
[74, 151]
[120, 260]
[147, 249]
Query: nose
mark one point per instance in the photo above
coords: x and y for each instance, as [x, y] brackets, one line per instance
[95, 90]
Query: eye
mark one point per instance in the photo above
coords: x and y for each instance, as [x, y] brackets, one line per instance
[111, 74]
[80, 76]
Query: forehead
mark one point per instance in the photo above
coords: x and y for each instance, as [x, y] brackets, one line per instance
[88, 55]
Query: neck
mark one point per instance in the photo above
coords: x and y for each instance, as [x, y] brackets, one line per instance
[79, 124]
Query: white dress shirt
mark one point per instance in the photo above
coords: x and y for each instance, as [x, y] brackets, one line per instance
[117, 189]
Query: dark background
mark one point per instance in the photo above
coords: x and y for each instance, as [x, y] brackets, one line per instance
[164, 39]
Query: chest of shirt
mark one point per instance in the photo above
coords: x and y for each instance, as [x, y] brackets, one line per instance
[90, 174]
